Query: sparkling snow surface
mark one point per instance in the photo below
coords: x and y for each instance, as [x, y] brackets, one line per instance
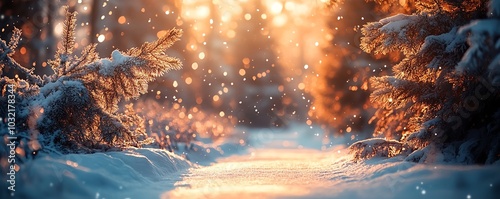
[293, 173]
[273, 171]
[278, 164]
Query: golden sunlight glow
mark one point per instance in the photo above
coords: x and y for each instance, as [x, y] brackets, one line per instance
[202, 12]
[288, 32]
[280, 20]
[233, 172]
[290, 6]
[231, 34]
[276, 7]
[199, 12]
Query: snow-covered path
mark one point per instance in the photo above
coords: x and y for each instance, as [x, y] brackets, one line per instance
[285, 164]
[288, 172]
[265, 173]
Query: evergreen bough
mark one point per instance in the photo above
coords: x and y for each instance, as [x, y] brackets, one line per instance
[76, 108]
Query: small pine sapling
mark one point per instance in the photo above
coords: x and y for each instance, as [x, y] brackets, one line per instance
[76, 108]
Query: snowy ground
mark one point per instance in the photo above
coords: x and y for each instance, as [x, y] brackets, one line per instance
[293, 173]
[277, 165]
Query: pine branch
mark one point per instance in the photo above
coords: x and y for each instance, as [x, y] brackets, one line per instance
[6, 60]
[14, 40]
[88, 56]
[68, 44]
[403, 33]
[165, 42]
[69, 33]
[124, 75]
[104, 83]
[154, 53]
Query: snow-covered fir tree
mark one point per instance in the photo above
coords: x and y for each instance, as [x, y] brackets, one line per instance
[76, 108]
[442, 94]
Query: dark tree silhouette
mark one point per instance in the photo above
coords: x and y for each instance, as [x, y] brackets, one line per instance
[341, 95]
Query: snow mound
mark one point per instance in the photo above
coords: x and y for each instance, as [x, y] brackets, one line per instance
[393, 178]
[110, 65]
[375, 147]
[133, 173]
[205, 154]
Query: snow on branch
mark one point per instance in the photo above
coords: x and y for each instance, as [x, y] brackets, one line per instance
[403, 33]
[76, 108]
[375, 147]
[445, 89]
[126, 75]
[7, 50]
[481, 32]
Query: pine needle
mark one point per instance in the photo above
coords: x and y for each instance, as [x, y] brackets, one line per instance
[14, 40]
[69, 32]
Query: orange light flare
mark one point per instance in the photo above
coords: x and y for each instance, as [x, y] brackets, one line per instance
[295, 29]
[296, 24]
[298, 30]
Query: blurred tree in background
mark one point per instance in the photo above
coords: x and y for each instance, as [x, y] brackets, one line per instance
[37, 20]
[341, 90]
[231, 65]
[262, 101]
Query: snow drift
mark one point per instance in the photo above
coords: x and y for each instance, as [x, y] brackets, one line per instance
[134, 173]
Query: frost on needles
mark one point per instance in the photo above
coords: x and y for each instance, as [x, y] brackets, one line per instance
[76, 108]
[441, 102]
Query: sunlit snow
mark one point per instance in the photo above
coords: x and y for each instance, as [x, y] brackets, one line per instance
[281, 164]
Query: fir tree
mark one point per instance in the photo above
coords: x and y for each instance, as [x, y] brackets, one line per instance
[76, 108]
[440, 98]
